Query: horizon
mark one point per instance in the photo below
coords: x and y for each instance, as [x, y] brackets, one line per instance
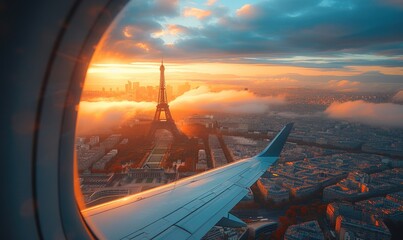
[282, 43]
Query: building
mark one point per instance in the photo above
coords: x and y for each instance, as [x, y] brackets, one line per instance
[128, 87]
[334, 210]
[383, 207]
[353, 222]
[234, 127]
[353, 186]
[272, 191]
[307, 230]
[396, 197]
[94, 140]
[201, 165]
[259, 230]
[214, 234]
[359, 177]
[101, 163]
[87, 157]
[207, 121]
[98, 188]
[80, 140]
[303, 191]
[201, 156]
[364, 228]
[183, 88]
[359, 185]
[110, 141]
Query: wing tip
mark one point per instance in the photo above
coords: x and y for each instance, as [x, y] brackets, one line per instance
[276, 145]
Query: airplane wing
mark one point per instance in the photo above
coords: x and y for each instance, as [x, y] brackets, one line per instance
[188, 208]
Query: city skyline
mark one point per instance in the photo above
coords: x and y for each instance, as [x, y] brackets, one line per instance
[109, 109]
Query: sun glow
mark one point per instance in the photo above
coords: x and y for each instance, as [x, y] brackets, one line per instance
[115, 74]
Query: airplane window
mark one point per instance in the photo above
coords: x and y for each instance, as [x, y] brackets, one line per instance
[176, 89]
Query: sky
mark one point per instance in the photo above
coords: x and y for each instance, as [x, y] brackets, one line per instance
[224, 47]
[282, 43]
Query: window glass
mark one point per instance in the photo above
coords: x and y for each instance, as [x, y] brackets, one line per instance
[176, 88]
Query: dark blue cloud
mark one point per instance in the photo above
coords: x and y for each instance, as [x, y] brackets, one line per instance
[306, 26]
[276, 28]
[139, 20]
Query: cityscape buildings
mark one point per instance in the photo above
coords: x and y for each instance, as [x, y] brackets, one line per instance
[323, 160]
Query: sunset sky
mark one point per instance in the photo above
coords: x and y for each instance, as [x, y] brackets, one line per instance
[348, 45]
[224, 47]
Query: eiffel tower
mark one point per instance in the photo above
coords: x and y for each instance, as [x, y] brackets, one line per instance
[162, 117]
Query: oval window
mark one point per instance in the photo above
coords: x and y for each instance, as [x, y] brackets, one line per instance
[177, 88]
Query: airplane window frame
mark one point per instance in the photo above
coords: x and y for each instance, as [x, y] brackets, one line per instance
[49, 46]
[58, 213]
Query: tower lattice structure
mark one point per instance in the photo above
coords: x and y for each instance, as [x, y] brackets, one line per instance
[162, 117]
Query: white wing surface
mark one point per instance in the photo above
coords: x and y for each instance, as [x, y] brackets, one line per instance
[188, 208]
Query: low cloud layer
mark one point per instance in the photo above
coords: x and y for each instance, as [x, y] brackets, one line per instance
[376, 114]
[226, 101]
[344, 85]
[105, 115]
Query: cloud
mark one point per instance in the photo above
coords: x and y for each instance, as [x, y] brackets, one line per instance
[172, 30]
[196, 12]
[137, 23]
[211, 2]
[310, 28]
[246, 10]
[294, 115]
[105, 115]
[376, 114]
[305, 28]
[398, 97]
[309, 34]
[344, 85]
[226, 101]
[395, 3]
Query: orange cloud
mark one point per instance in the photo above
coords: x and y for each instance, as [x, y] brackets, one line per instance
[211, 2]
[376, 114]
[381, 69]
[226, 101]
[196, 12]
[171, 29]
[175, 29]
[105, 115]
[343, 85]
[246, 10]
[130, 30]
[398, 97]
[143, 46]
[127, 33]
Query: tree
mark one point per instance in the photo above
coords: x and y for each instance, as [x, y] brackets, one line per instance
[304, 211]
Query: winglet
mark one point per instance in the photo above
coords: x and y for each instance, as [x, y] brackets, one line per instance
[277, 144]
